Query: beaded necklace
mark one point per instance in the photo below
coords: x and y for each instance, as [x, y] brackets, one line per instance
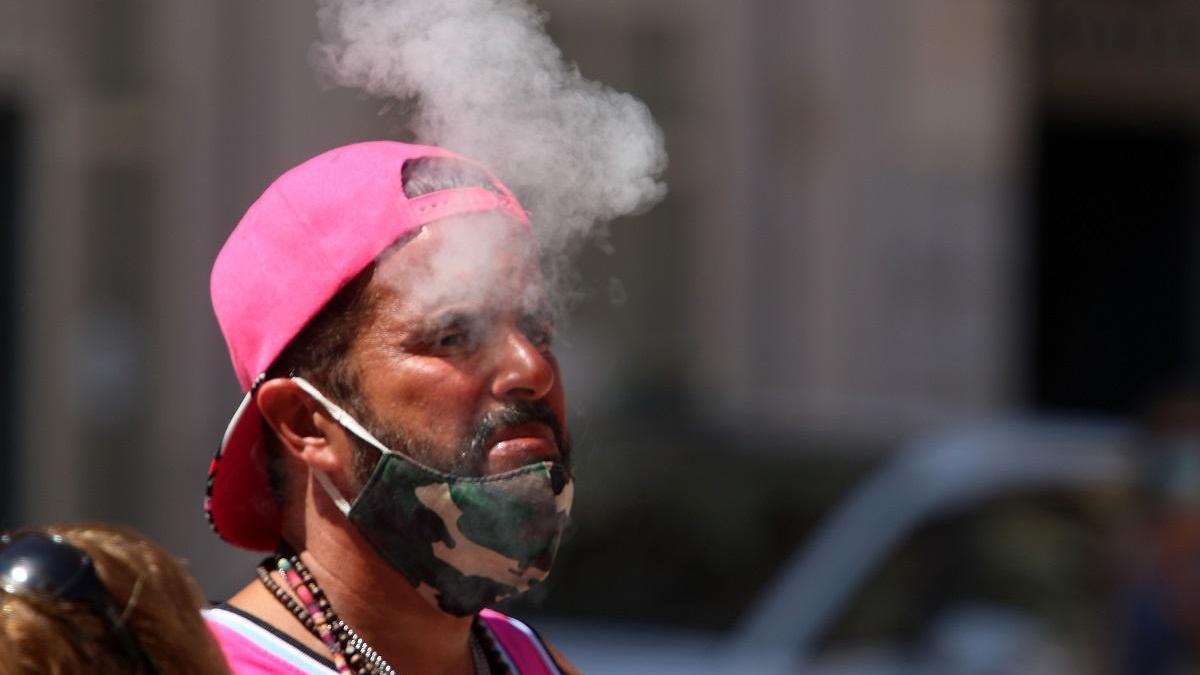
[351, 654]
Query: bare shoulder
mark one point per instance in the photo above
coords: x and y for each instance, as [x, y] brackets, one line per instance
[567, 667]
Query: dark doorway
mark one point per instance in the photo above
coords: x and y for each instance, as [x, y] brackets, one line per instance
[12, 164]
[1114, 276]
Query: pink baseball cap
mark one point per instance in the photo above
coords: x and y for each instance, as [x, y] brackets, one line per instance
[311, 232]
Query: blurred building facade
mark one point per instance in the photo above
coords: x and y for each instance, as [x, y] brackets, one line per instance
[848, 249]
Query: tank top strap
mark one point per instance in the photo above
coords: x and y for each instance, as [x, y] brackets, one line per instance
[520, 644]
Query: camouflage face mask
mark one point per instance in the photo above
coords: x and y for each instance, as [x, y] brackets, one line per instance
[463, 542]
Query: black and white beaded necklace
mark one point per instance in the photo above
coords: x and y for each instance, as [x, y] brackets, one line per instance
[359, 656]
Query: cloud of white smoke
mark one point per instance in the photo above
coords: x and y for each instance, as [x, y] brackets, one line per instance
[486, 81]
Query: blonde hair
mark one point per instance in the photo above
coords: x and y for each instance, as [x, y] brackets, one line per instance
[160, 599]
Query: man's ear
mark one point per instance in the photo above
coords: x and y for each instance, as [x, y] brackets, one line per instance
[301, 424]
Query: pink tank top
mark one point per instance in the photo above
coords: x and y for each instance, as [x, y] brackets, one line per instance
[522, 647]
[253, 649]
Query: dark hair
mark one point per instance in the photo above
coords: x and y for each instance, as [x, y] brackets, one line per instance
[318, 352]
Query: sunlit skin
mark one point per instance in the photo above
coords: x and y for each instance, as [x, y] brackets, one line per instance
[430, 363]
[434, 364]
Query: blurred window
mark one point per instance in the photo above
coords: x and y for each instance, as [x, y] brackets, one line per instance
[1115, 277]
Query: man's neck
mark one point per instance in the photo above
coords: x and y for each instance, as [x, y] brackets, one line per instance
[377, 602]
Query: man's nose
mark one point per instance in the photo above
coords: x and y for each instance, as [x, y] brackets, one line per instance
[523, 371]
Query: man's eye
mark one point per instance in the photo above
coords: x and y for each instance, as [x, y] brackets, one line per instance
[453, 339]
[539, 333]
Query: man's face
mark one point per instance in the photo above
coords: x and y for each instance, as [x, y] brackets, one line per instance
[454, 365]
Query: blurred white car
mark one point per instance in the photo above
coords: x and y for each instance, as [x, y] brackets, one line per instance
[834, 610]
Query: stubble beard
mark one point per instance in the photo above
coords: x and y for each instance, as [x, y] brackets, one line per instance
[468, 458]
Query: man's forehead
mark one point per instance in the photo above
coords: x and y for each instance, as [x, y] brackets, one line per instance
[473, 259]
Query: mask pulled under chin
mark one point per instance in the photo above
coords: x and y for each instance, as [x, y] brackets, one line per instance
[463, 542]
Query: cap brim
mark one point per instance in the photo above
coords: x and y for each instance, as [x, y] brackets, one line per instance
[240, 506]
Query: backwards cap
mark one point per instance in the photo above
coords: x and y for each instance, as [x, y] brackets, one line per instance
[309, 234]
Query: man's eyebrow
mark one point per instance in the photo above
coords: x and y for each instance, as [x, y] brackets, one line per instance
[453, 317]
[543, 313]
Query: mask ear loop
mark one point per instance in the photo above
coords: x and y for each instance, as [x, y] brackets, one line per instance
[350, 424]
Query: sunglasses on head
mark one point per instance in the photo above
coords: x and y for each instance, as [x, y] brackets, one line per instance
[47, 568]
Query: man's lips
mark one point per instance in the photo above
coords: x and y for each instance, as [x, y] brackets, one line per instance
[521, 444]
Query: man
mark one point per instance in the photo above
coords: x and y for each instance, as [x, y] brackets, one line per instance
[401, 447]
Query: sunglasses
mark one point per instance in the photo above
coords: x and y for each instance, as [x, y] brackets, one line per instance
[46, 567]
